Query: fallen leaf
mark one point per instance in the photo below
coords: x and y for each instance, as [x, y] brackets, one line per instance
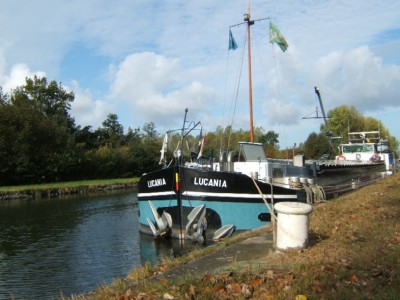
[141, 296]
[128, 293]
[168, 297]
[192, 290]
[208, 277]
[287, 288]
[317, 287]
[301, 297]
[257, 281]
[247, 290]
[270, 274]
[354, 279]
[290, 277]
[233, 288]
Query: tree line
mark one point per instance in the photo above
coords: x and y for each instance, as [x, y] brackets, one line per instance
[40, 142]
[342, 120]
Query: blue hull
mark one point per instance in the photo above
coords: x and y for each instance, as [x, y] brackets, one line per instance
[229, 198]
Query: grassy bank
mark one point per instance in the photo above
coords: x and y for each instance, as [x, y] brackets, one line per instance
[353, 253]
[65, 188]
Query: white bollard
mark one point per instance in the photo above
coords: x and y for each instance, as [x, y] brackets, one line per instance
[292, 225]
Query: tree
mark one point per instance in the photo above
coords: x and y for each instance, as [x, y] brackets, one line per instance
[317, 145]
[149, 131]
[344, 119]
[112, 132]
[35, 132]
[49, 99]
[143, 149]
[270, 141]
[3, 98]
[29, 144]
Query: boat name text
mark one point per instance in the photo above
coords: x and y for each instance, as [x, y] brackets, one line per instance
[210, 182]
[156, 182]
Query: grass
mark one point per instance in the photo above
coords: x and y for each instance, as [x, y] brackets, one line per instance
[69, 184]
[353, 253]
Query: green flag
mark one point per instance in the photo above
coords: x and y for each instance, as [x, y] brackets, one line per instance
[232, 43]
[275, 36]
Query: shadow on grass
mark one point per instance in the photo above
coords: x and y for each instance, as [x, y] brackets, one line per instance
[314, 238]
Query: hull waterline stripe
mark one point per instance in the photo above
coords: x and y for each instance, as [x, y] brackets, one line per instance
[217, 195]
[235, 195]
[170, 193]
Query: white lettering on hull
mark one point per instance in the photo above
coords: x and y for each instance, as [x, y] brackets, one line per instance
[156, 182]
[210, 182]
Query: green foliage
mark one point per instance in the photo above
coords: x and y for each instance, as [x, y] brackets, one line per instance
[51, 100]
[29, 143]
[112, 132]
[3, 98]
[39, 142]
[317, 145]
[344, 119]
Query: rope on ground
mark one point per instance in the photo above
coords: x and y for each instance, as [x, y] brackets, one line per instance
[270, 208]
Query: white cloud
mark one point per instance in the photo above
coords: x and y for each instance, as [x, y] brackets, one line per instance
[280, 112]
[157, 89]
[17, 76]
[348, 49]
[88, 111]
[358, 77]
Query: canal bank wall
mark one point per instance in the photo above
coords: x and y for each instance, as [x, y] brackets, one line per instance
[65, 191]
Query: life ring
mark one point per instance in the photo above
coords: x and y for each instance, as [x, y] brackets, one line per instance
[375, 157]
[340, 157]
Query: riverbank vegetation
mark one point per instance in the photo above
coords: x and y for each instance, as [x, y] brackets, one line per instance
[46, 190]
[353, 253]
[69, 184]
[40, 142]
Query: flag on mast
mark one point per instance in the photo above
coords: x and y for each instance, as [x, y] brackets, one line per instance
[232, 43]
[275, 36]
[164, 149]
[202, 141]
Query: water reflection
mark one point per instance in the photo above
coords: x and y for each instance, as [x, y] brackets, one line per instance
[71, 245]
[152, 250]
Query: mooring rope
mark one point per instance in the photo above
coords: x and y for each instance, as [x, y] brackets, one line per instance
[319, 193]
[270, 209]
[315, 194]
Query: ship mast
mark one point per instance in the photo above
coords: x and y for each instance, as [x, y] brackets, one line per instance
[249, 23]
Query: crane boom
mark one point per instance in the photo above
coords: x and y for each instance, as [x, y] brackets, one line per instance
[328, 132]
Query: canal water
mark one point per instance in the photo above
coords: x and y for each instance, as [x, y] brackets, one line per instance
[65, 246]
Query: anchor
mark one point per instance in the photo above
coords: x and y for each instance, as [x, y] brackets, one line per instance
[224, 231]
[162, 224]
[197, 223]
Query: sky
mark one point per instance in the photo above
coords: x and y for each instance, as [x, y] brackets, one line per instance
[148, 60]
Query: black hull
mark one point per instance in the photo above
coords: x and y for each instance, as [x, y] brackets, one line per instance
[335, 174]
[230, 198]
[209, 186]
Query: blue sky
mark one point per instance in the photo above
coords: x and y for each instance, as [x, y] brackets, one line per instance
[147, 60]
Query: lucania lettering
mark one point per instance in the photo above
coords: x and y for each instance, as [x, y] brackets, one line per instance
[156, 182]
[210, 182]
